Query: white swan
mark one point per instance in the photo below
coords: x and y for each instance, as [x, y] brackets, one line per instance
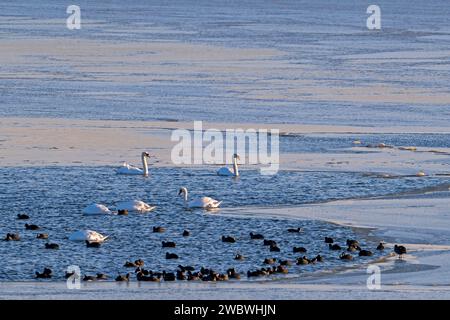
[203, 202]
[135, 205]
[129, 169]
[225, 171]
[96, 209]
[89, 235]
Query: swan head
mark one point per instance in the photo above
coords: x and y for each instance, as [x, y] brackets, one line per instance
[145, 154]
[183, 190]
[236, 156]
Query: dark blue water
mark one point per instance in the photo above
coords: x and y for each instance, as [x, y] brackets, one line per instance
[55, 196]
[340, 143]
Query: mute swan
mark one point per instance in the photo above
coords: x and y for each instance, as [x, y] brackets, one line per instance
[203, 202]
[135, 205]
[96, 209]
[129, 169]
[225, 171]
[89, 235]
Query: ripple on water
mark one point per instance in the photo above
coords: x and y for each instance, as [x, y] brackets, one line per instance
[55, 196]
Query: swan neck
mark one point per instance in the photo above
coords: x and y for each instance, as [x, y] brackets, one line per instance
[185, 195]
[235, 167]
[145, 165]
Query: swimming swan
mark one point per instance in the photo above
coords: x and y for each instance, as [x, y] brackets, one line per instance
[135, 205]
[87, 235]
[129, 169]
[96, 209]
[203, 202]
[225, 171]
